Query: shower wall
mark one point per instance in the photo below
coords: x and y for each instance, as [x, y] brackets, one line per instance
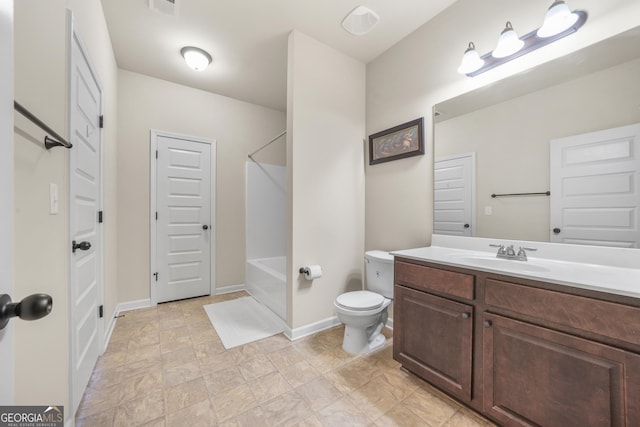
[266, 231]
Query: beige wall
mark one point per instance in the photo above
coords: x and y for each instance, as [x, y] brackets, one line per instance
[325, 176]
[407, 80]
[41, 247]
[146, 103]
[511, 140]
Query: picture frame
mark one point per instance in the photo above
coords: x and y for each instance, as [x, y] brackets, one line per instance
[398, 142]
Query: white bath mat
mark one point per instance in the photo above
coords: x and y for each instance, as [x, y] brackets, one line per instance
[243, 320]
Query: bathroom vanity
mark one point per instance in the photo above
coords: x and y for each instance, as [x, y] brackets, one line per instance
[529, 343]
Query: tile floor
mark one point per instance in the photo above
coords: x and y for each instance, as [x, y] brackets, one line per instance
[166, 366]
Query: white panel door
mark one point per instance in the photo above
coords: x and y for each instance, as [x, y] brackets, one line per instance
[595, 188]
[453, 195]
[6, 193]
[183, 226]
[86, 293]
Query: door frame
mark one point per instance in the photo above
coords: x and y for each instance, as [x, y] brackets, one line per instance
[74, 36]
[6, 194]
[153, 230]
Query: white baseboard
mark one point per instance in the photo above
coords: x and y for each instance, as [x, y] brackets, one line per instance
[132, 305]
[389, 323]
[230, 289]
[110, 326]
[311, 328]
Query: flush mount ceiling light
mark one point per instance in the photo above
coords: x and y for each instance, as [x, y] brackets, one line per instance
[360, 20]
[508, 42]
[195, 57]
[559, 22]
[557, 19]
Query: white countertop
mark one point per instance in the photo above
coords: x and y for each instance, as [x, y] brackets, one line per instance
[597, 277]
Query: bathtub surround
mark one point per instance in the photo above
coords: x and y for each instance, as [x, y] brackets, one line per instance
[266, 232]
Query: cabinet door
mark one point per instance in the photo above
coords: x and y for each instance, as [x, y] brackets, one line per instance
[534, 376]
[432, 337]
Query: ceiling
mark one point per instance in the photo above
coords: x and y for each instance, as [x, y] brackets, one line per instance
[248, 39]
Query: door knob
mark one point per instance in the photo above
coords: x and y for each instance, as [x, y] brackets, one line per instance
[205, 227]
[83, 246]
[556, 230]
[33, 307]
[466, 226]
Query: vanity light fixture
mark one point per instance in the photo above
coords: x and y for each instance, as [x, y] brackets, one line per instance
[508, 43]
[471, 60]
[559, 22]
[196, 58]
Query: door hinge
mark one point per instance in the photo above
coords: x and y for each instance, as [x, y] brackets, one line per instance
[101, 122]
[156, 154]
[156, 215]
[100, 217]
[156, 274]
[101, 311]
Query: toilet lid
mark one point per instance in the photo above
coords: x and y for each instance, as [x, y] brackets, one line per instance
[360, 300]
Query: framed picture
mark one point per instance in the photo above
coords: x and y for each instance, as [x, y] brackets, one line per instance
[399, 142]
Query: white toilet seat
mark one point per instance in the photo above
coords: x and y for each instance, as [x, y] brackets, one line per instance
[360, 301]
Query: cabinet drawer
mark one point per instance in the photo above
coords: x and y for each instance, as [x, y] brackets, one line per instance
[586, 314]
[433, 279]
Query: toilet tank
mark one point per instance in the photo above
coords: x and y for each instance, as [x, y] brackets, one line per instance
[379, 272]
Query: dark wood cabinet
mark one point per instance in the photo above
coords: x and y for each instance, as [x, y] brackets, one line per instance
[521, 352]
[533, 376]
[434, 338]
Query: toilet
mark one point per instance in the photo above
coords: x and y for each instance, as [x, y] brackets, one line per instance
[364, 313]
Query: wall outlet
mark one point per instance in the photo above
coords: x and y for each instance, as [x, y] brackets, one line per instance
[488, 210]
[53, 199]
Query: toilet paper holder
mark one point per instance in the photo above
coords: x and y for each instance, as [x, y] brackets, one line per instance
[311, 272]
[303, 270]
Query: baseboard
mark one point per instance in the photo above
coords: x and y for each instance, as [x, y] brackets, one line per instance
[132, 305]
[389, 324]
[311, 328]
[229, 289]
[110, 327]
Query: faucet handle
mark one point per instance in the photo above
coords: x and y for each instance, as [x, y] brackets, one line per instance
[501, 250]
[522, 251]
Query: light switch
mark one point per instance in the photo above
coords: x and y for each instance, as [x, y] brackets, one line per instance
[488, 210]
[53, 199]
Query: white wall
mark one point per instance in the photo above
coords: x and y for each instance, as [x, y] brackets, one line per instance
[266, 220]
[511, 140]
[146, 103]
[407, 80]
[325, 176]
[41, 247]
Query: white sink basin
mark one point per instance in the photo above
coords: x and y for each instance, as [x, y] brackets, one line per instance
[499, 263]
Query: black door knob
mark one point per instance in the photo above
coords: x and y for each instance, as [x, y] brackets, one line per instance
[466, 226]
[33, 307]
[556, 230]
[83, 246]
[205, 227]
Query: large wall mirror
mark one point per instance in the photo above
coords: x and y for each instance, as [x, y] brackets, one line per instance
[570, 127]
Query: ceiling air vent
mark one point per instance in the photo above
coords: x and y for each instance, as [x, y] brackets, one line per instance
[168, 7]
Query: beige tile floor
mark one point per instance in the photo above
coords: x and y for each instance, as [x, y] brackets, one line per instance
[166, 366]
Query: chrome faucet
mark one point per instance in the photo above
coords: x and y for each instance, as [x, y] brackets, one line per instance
[510, 253]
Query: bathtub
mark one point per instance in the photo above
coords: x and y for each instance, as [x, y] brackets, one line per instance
[266, 280]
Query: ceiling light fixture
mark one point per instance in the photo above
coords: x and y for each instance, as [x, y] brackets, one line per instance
[196, 58]
[360, 21]
[559, 22]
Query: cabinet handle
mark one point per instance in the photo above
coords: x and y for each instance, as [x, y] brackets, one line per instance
[487, 323]
[465, 315]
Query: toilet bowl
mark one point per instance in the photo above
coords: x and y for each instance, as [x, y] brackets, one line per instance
[364, 313]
